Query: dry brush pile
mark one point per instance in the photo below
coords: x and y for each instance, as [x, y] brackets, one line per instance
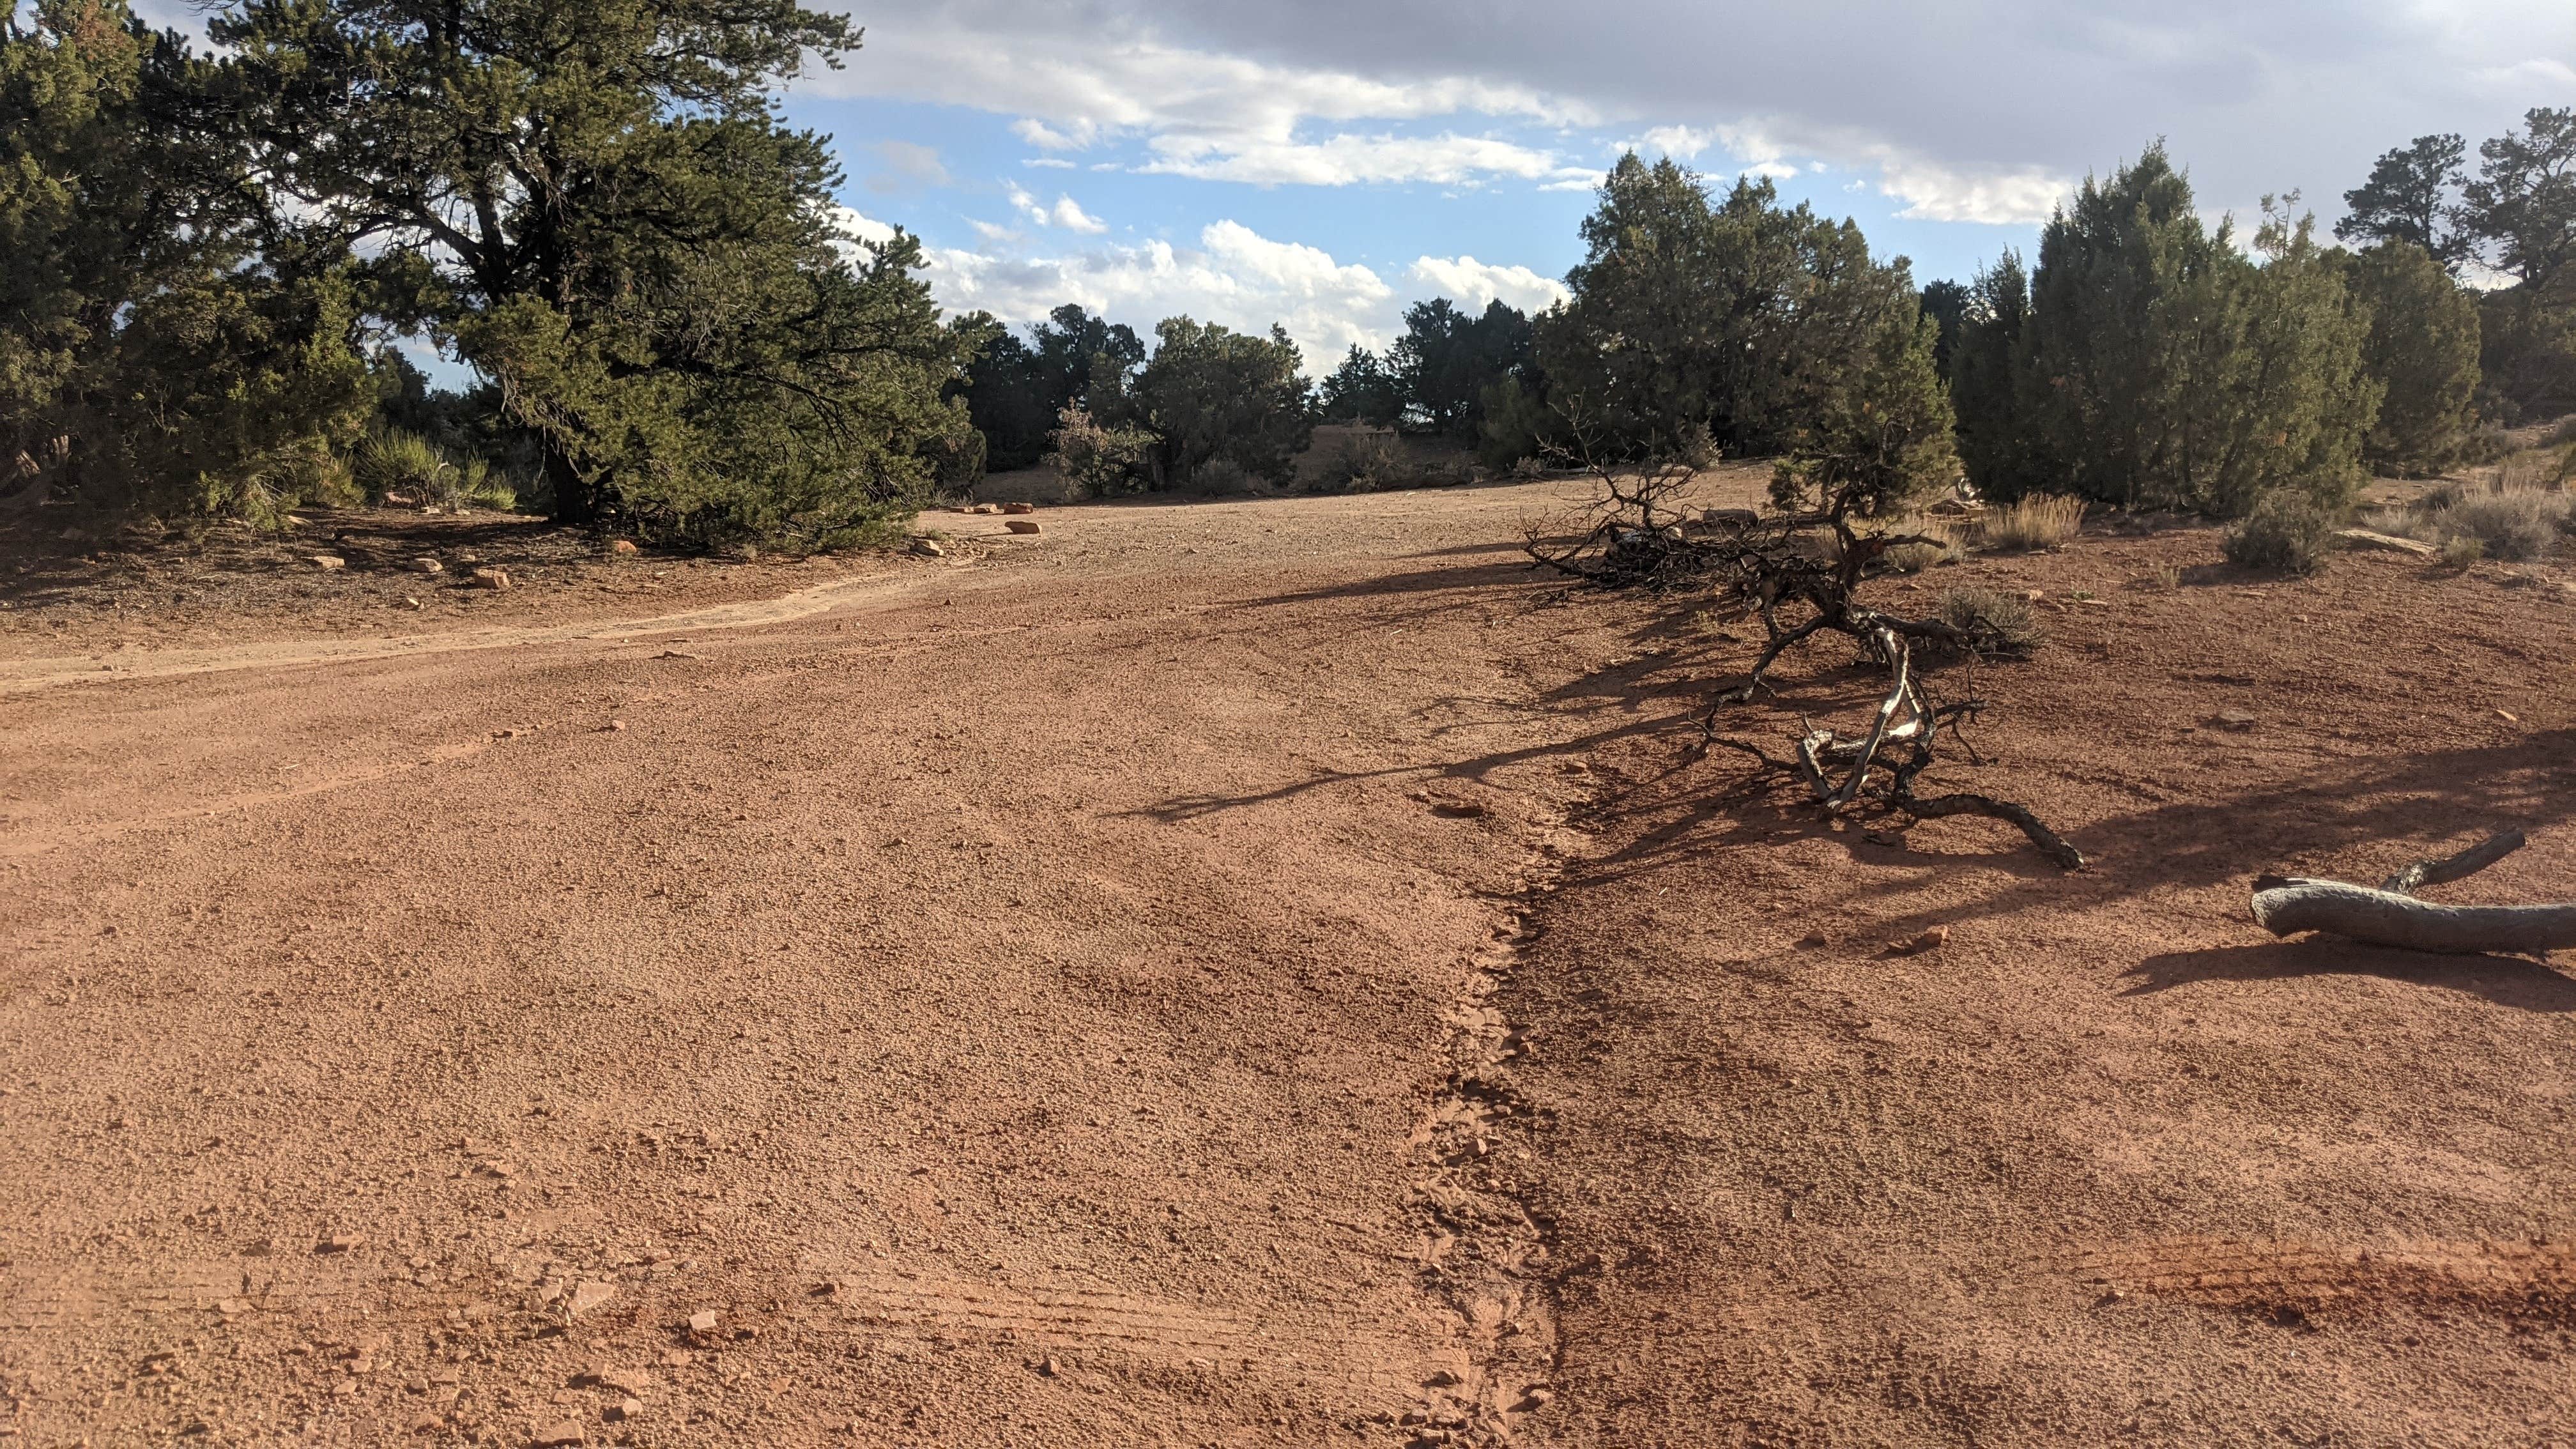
[1802, 568]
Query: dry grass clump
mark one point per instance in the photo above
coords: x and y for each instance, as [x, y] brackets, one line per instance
[2002, 623]
[2036, 521]
[1939, 546]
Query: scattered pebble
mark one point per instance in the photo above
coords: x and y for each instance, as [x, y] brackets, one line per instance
[427, 566]
[329, 563]
[1931, 940]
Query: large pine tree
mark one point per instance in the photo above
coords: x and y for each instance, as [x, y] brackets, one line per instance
[596, 206]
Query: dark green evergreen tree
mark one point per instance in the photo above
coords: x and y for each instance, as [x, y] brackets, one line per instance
[2159, 365]
[1735, 323]
[158, 349]
[1361, 390]
[1211, 395]
[596, 206]
[2412, 196]
[2422, 350]
[1985, 377]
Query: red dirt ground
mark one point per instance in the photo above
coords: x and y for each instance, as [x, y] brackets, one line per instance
[1270, 972]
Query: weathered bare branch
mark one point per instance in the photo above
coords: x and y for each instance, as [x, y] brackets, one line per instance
[2454, 867]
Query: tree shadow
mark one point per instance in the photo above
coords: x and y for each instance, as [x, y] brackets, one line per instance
[2510, 981]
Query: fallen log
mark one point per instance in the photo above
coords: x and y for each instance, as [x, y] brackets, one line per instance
[2391, 916]
[2286, 905]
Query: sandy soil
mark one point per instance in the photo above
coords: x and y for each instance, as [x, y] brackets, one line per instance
[1270, 972]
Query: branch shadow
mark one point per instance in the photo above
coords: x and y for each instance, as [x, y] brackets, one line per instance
[2508, 981]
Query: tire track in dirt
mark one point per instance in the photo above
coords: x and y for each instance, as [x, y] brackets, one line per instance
[2290, 1278]
[24, 675]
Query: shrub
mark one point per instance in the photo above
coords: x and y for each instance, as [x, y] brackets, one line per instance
[1101, 461]
[1368, 462]
[2518, 524]
[392, 461]
[2287, 532]
[2462, 551]
[2037, 520]
[1998, 622]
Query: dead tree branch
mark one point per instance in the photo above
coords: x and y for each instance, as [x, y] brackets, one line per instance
[2392, 916]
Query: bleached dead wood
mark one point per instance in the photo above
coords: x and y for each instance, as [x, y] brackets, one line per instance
[2391, 916]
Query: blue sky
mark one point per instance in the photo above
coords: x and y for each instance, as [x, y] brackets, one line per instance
[1324, 163]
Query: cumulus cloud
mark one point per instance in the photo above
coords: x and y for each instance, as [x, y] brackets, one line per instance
[1465, 280]
[1234, 276]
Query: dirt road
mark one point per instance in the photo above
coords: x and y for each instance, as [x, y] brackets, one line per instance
[1262, 973]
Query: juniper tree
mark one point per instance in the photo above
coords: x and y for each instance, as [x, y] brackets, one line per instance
[2422, 350]
[1214, 395]
[1733, 321]
[2160, 365]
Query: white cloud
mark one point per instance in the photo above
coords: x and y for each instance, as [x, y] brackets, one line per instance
[992, 231]
[864, 228]
[907, 164]
[1474, 283]
[1057, 163]
[1233, 276]
[1066, 212]
[1072, 217]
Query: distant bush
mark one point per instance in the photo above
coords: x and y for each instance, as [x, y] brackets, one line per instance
[1102, 461]
[2462, 551]
[392, 461]
[1999, 622]
[2035, 521]
[1368, 462]
[2505, 520]
[2286, 532]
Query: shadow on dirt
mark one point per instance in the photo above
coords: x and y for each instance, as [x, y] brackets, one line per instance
[2509, 981]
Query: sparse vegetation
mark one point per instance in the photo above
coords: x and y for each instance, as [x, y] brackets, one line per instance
[1992, 621]
[2460, 551]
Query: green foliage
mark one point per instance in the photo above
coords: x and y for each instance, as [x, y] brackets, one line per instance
[2408, 199]
[1946, 303]
[1016, 391]
[2422, 349]
[1516, 426]
[1736, 321]
[1985, 378]
[2286, 532]
[1447, 358]
[1362, 390]
[1211, 395]
[595, 206]
[392, 461]
[2157, 364]
[1880, 437]
[2523, 202]
[152, 354]
[1102, 461]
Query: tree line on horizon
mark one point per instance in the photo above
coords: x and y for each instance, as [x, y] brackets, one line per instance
[217, 261]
